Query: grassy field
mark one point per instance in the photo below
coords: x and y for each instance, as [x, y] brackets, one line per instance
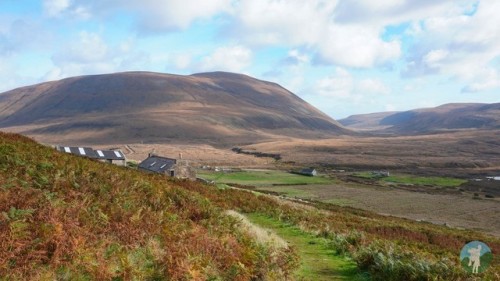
[318, 260]
[414, 180]
[425, 206]
[452, 210]
[262, 178]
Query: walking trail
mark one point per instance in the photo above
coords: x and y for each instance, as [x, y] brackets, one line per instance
[318, 261]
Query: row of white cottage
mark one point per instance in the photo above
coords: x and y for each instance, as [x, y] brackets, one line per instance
[109, 156]
[153, 164]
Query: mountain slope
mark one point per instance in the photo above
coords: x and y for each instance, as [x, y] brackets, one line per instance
[370, 121]
[453, 116]
[143, 106]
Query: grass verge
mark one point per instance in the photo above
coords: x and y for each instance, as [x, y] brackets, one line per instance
[318, 260]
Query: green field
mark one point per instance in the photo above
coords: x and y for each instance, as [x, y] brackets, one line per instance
[414, 180]
[262, 178]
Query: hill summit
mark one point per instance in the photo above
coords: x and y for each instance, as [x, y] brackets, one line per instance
[143, 106]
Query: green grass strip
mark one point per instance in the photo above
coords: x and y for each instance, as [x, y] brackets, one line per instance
[262, 178]
[318, 261]
[434, 181]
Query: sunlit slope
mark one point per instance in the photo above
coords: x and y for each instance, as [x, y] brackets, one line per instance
[64, 217]
[133, 107]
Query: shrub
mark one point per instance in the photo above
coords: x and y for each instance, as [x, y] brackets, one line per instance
[386, 261]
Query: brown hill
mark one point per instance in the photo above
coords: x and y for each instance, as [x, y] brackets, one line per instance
[455, 116]
[366, 122]
[152, 107]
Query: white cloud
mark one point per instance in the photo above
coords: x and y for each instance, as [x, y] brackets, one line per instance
[67, 8]
[435, 58]
[295, 22]
[7, 74]
[88, 52]
[357, 46]
[53, 74]
[342, 84]
[182, 61]
[338, 85]
[295, 56]
[54, 8]
[340, 32]
[390, 107]
[89, 48]
[489, 79]
[309, 24]
[21, 35]
[177, 14]
[460, 46]
[373, 86]
[150, 15]
[387, 12]
[229, 58]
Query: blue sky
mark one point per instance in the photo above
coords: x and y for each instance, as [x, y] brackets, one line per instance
[343, 56]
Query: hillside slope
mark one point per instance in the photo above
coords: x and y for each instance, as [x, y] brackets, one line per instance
[453, 116]
[69, 218]
[152, 107]
[64, 217]
[370, 121]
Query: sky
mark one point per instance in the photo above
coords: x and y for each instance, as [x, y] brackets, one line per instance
[342, 56]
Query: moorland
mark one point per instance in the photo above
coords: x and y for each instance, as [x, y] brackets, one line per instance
[67, 217]
[72, 218]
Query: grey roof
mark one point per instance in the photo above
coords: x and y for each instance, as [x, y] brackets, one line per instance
[94, 154]
[109, 154]
[157, 164]
[80, 151]
[307, 170]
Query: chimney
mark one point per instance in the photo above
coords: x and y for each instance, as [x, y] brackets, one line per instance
[152, 153]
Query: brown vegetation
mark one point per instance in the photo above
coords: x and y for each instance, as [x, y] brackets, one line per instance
[70, 218]
[210, 108]
[457, 154]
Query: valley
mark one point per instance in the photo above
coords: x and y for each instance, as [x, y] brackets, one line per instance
[464, 158]
[422, 184]
[427, 203]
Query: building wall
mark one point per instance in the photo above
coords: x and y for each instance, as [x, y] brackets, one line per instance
[183, 170]
[119, 162]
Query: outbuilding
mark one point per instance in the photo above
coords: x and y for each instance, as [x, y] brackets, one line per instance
[308, 172]
[168, 166]
[111, 156]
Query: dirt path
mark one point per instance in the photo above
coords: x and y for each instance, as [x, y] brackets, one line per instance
[130, 149]
[318, 261]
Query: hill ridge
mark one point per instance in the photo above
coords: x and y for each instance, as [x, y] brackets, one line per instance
[451, 116]
[137, 106]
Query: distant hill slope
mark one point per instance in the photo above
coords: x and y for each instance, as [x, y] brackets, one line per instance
[370, 121]
[445, 117]
[142, 106]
